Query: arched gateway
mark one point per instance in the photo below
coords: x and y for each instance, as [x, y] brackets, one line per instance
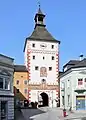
[45, 99]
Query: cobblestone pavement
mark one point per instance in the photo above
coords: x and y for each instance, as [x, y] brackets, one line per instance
[48, 114]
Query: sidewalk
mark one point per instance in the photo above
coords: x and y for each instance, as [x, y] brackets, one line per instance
[76, 115]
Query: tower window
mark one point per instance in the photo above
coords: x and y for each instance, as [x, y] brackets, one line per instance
[33, 45]
[43, 57]
[53, 58]
[34, 57]
[36, 67]
[40, 18]
[52, 46]
[50, 68]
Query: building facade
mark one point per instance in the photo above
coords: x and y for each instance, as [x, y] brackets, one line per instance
[73, 85]
[6, 88]
[20, 84]
[42, 62]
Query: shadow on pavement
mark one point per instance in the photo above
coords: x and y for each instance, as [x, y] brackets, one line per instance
[18, 115]
[25, 114]
[83, 118]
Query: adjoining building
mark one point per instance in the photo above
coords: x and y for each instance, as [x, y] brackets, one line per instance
[21, 81]
[6, 88]
[73, 85]
[41, 51]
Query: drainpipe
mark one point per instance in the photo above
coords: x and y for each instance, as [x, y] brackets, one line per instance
[52, 98]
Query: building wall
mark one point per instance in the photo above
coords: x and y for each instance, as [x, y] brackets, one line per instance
[6, 88]
[39, 53]
[78, 74]
[35, 78]
[65, 90]
[73, 77]
[21, 76]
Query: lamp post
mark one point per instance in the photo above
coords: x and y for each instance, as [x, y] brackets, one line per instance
[64, 95]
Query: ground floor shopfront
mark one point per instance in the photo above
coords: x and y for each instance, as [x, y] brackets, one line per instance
[6, 107]
[80, 102]
[76, 100]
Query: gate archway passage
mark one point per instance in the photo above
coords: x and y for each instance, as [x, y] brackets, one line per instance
[45, 99]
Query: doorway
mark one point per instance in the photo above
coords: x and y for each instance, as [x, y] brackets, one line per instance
[80, 102]
[3, 110]
[45, 99]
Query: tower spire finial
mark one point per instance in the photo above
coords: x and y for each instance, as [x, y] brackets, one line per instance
[39, 4]
[39, 17]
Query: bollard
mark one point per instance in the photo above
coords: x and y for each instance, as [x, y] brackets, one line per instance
[64, 112]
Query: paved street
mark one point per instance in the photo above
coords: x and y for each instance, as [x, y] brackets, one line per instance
[48, 114]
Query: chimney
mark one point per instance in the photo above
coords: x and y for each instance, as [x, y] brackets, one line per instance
[81, 57]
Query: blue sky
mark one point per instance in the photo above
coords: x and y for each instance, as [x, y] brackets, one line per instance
[65, 19]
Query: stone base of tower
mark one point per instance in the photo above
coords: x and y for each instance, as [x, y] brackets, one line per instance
[44, 97]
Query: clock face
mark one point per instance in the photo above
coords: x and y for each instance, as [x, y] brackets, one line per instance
[43, 45]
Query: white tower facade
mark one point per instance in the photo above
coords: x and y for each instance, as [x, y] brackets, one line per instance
[42, 61]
